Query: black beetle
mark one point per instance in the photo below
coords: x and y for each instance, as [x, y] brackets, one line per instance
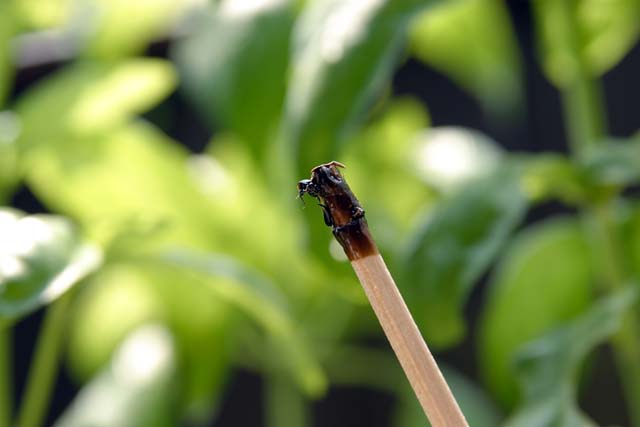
[307, 186]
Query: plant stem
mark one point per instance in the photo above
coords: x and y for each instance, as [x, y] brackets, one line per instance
[582, 104]
[585, 117]
[6, 380]
[44, 366]
[626, 342]
[582, 96]
[585, 127]
[285, 406]
[584, 122]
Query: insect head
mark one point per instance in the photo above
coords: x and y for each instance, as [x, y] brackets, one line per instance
[307, 186]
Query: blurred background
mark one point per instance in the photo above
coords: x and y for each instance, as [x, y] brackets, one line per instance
[157, 268]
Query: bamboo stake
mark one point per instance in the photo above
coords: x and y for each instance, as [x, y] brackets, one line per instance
[343, 213]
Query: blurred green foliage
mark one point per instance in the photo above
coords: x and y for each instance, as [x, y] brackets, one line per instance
[547, 269]
[177, 268]
[44, 259]
[548, 368]
[471, 41]
[234, 67]
[598, 36]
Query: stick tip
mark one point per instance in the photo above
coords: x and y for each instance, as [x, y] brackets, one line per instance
[341, 209]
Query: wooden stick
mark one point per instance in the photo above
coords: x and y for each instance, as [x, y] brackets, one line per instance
[343, 213]
[417, 362]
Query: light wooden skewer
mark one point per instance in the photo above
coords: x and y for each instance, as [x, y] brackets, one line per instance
[415, 358]
[346, 217]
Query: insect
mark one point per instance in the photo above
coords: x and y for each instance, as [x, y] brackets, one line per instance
[307, 186]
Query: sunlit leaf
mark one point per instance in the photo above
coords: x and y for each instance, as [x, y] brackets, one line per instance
[90, 97]
[41, 257]
[125, 296]
[344, 53]
[208, 201]
[134, 178]
[600, 35]
[39, 14]
[234, 66]
[611, 29]
[121, 28]
[476, 406]
[117, 301]
[548, 368]
[247, 221]
[544, 280]
[260, 299]
[553, 176]
[203, 330]
[472, 41]
[455, 245]
[135, 390]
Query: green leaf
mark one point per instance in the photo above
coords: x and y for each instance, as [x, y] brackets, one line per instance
[41, 257]
[206, 201]
[615, 163]
[261, 300]
[606, 31]
[40, 15]
[89, 98]
[602, 169]
[99, 322]
[126, 296]
[472, 41]
[203, 328]
[344, 53]
[136, 390]
[453, 247]
[548, 368]
[544, 280]
[234, 66]
[120, 28]
[611, 30]
[553, 176]
[477, 407]
[130, 180]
